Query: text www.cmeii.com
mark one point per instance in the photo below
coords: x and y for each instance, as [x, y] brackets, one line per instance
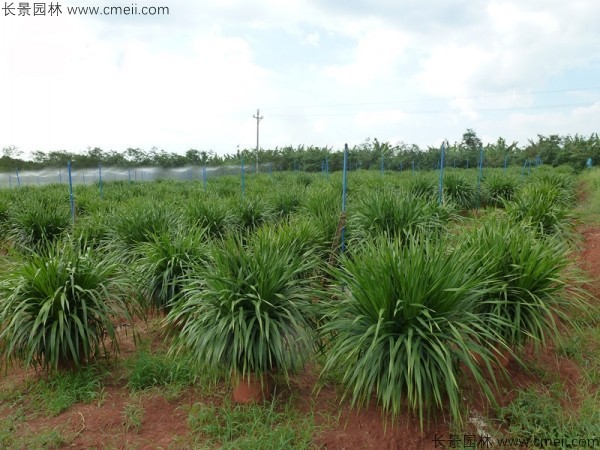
[26, 9]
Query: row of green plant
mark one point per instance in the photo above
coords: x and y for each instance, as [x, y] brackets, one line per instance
[402, 315]
[30, 218]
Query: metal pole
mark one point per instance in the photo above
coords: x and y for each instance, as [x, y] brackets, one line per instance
[258, 118]
[344, 192]
[441, 190]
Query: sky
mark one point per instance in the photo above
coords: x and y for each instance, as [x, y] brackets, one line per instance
[322, 73]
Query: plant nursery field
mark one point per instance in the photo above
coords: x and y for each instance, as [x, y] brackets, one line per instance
[415, 313]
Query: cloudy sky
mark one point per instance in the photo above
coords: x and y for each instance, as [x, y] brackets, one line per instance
[322, 73]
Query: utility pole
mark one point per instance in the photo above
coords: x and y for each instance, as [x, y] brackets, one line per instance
[258, 118]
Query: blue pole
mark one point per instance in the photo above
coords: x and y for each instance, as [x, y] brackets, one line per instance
[129, 175]
[270, 169]
[344, 191]
[18, 179]
[71, 198]
[204, 176]
[467, 163]
[479, 175]
[327, 165]
[441, 190]
[60, 176]
[9, 181]
[100, 179]
[381, 163]
[243, 187]
[83, 176]
[400, 166]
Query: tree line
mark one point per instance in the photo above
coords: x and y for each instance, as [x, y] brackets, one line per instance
[553, 150]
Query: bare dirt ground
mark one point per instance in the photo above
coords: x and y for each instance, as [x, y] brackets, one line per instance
[165, 422]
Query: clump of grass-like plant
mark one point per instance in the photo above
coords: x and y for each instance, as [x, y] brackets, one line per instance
[138, 223]
[164, 262]
[59, 306]
[461, 191]
[544, 207]
[528, 275]
[394, 214]
[422, 185]
[247, 311]
[402, 322]
[37, 221]
[500, 188]
[211, 213]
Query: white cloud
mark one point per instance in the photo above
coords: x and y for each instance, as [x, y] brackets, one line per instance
[324, 73]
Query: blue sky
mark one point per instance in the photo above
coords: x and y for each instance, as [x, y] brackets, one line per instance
[321, 72]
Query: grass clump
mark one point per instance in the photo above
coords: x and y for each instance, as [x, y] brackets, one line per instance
[154, 370]
[402, 320]
[59, 307]
[247, 311]
[251, 427]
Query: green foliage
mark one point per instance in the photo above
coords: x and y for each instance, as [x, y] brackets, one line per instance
[500, 188]
[423, 185]
[137, 223]
[213, 214]
[252, 212]
[133, 416]
[286, 201]
[538, 413]
[60, 391]
[164, 263]
[37, 221]
[251, 427]
[152, 370]
[528, 279]
[324, 205]
[402, 320]
[393, 214]
[247, 311]
[59, 307]
[460, 190]
[543, 206]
